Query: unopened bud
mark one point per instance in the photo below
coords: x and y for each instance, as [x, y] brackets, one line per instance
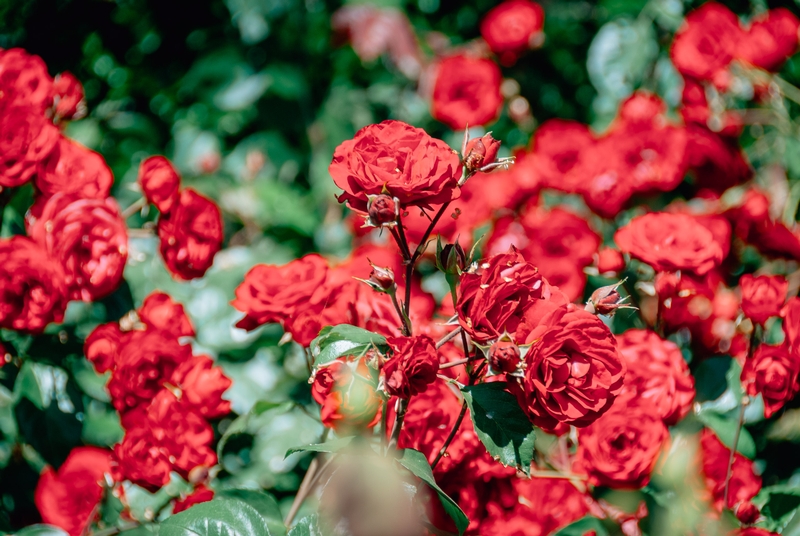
[451, 259]
[747, 512]
[382, 210]
[382, 278]
[606, 300]
[480, 152]
[504, 356]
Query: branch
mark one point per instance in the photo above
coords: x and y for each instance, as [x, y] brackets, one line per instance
[447, 338]
[731, 458]
[443, 450]
[459, 362]
[400, 415]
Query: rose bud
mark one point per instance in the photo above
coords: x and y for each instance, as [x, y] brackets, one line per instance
[382, 210]
[412, 367]
[610, 261]
[480, 152]
[746, 512]
[504, 356]
[606, 300]
[381, 279]
[451, 259]
[68, 101]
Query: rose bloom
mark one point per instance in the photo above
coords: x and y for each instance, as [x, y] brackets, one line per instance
[621, 448]
[466, 92]
[346, 392]
[603, 176]
[32, 286]
[74, 170]
[24, 80]
[397, 159]
[201, 386]
[146, 360]
[68, 102]
[140, 458]
[413, 365]
[272, 293]
[494, 300]
[657, 374]
[791, 323]
[773, 373]
[573, 369]
[67, 498]
[512, 27]
[102, 346]
[89, 238]
[609, 261]
[762, 296]
[159, 311]
[190, 234]
[160, 182]
[558, 147]
[26, 138]
[707, 41]
[670, 242]
[715, 161]
[770, 40]
[744, 483]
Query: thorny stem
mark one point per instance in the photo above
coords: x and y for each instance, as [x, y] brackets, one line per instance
[458, 362]
[447, 338]
[384, 423]
[406, 322]
[400, 415]
[443, 450]
[134, 208]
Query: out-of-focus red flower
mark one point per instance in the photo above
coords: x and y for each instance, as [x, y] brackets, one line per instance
[159, 311]
[396, 159]
[160, 182]
[791, 324]
[512, 27]
[744, 483]
[773, 373]
[102, 346]
[716, 161]
[140, 458]
[24, 81]
[73, 170]
[762, 296]
[201, 494]
[573, 370]
[190, 234]
[558, 147]
[609, 261]
[770, 39]
[90, 240]
[412, 366]
[347, 394]
[621, 448]
[657, 374]
[707, 41]
[670, 242]
[68, 100]
[67, 498]
[26, 138]
[32, 286]
[201, 386]
[466, 91]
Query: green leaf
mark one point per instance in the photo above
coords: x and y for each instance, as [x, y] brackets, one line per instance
[344, 339]
[41, 530]
[725, 428]
[582, 526]
[241, 423]
[307, 526]
[329, 446]
[416, 462]
[264, 503]
[220, 517]
[501, 425]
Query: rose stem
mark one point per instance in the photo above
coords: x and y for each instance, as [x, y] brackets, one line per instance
[450, 336]
[400, 415]
[452, 435]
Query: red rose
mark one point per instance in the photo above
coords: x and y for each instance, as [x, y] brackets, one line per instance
[707, 41]
[399, 160]
[744, 483]
[413, 365]
[74, 170]
[24, 80]
[68, 100]
[657, 374]
[752, 531]
[573, 370]
[146, 360]
[346, 392]
[558, 147]
[512, 27]
[202, 386]
[609, 261]
[770, 40]
[791, 324]
[716, 162]
[480, 152]
[160, 182]
[32, 289]
[763, 296]
[89, 238]
[603, 176]
[201, 494]
[68, 498]
[102, 346]
[504, 356]
[773, 373]
[140, 458]
[190, 234]
[670, 242]
[621, 448]
[274, 293]
[26, 138]
[494, 300]
[159, 311]
[466, 92]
